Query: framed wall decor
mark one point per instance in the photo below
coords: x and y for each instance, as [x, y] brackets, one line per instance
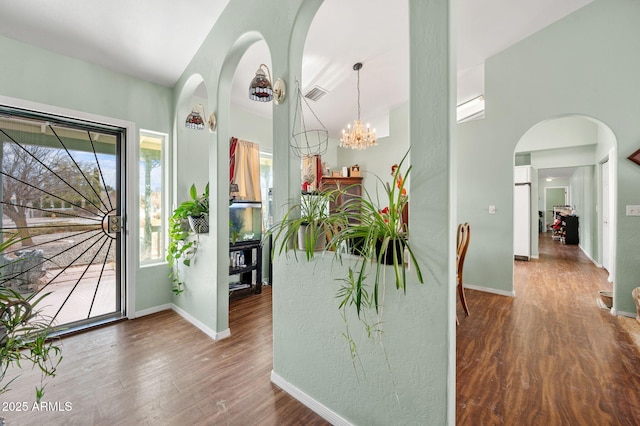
[635, 157]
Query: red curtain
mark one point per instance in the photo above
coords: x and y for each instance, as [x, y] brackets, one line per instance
[232, 158]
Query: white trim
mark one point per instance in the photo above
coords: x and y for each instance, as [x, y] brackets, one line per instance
[199, 324]
[491, 290]
[153, 310]
[623, 313]
[131, 143]
[324, 412]
[590, 258]
[613, 223]
[164, 159]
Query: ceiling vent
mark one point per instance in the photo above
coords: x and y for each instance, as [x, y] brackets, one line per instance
[315, 93]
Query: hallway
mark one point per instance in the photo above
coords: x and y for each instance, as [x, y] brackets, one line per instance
[550, 355]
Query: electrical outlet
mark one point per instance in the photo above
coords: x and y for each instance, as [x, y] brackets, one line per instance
[492, 209]
[633, 210]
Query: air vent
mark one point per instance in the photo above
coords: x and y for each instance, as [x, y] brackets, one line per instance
[316, 93]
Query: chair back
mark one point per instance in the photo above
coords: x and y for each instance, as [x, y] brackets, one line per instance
[462, 240]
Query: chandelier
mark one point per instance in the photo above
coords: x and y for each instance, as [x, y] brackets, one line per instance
[358, 137]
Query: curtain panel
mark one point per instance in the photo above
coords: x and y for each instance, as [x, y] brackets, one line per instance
[244, 170]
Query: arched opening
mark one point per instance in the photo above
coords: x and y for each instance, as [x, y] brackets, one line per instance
[248, 124]
[565, 188]
[250, 175]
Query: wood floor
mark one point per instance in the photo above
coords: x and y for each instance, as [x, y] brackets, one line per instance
[161, 370]
[549, 356]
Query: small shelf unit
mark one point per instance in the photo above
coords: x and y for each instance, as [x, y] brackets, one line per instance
[249, 273]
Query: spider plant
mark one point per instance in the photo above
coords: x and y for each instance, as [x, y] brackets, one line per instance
[380, 237]
[305, 224]
[24, 333]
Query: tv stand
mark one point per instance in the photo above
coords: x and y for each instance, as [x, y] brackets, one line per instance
[252, 253]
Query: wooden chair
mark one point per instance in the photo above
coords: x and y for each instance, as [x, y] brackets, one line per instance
[462, 241]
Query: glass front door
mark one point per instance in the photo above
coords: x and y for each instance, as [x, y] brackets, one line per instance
[61, 182]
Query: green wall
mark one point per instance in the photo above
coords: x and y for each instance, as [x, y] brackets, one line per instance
[583, 64]
[310, 355]
[583, 197]
[250, 127]
[32, 74]
[377, 160]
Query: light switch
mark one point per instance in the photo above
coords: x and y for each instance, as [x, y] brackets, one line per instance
[633, 210]
[492, 209]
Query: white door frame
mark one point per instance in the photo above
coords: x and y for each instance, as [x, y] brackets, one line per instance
[128, 192]
[612, 210]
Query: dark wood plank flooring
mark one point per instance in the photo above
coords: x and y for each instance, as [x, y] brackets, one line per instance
[549, 356]
[161, 370]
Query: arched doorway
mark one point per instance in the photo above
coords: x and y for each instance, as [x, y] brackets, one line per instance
[575, 154]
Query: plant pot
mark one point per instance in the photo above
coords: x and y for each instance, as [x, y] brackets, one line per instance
[387, 256]
[357, 246]
[607, 298]
[308, 233]
[199, 224]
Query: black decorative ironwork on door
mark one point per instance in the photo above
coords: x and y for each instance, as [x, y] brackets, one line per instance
[61, 195]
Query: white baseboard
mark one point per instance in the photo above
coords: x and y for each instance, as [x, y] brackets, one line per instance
[327, 414]
[490, 290]
[153, 310]
[184, 314]
[590, 258]
[199, 324]
[623, 313]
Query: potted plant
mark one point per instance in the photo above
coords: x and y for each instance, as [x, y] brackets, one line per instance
[189, 218]
[24, 333]
[306, 224]
[375, 224]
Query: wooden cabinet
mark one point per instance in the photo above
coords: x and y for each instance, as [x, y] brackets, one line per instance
[351, 188]
[245, 260]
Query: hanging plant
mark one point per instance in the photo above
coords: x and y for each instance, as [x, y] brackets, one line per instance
[187, 220]
[380, 237]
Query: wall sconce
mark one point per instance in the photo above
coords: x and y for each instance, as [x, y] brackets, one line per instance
[195, 121]
[261, 89]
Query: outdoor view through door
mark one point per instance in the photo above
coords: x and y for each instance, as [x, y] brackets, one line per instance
[61, 196]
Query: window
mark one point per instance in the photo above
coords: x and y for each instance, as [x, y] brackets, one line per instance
[152, 201]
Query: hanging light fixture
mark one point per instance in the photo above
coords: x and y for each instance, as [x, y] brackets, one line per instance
[195, 121]
[358, 137]
[261, 89]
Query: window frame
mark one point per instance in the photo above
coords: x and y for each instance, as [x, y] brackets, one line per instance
[165, 198]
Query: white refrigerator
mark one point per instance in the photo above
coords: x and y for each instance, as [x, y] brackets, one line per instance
[522, 221]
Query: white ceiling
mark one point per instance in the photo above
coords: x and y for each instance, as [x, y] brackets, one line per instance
[155, 40]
